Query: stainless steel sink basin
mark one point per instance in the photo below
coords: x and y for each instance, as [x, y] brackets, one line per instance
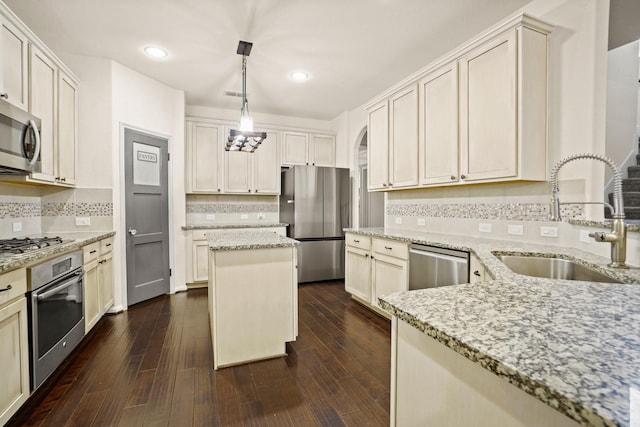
[553, 268]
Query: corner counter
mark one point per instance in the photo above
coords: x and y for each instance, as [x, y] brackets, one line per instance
[253, 296]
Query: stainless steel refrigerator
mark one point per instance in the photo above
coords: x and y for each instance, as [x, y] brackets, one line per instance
[316, 203]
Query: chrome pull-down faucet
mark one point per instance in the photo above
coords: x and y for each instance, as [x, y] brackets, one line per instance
[618, 234]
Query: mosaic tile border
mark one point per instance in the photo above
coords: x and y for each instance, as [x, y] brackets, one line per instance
[213, 207]
[34, 209]
[498, 211]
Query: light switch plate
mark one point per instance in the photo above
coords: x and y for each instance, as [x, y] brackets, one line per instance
[83, 221]
[398, 220]
[17, 226]
[549, 231]
[211, 216]
[422, 222]
[515, 229]
[244, 216]
[484, 227]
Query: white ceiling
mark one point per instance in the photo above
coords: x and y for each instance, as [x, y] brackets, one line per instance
[353, 49]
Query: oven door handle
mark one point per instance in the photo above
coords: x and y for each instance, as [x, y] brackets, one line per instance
[65, 285]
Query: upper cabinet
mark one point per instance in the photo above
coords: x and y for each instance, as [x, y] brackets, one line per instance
[14, 66]
[205, 148]
[313, 149]
[34, 79]
[488, 96]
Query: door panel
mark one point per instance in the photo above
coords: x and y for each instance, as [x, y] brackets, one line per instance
[147, 213]
[308, 202]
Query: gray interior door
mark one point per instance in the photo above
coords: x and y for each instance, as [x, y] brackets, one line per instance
[147, 216]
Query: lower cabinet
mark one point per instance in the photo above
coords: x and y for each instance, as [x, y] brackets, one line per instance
[98, 281]
[14, 347]
[375, 267]
[198, 250]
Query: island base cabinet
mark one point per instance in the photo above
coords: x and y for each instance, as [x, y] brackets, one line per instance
[14, 375]
[253, 303]
[432, 385]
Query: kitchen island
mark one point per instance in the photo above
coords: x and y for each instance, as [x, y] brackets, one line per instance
[516, 350]
[253, 296]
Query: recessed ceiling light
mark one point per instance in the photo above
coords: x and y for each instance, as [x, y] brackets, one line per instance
[154, 51]
[299, 76]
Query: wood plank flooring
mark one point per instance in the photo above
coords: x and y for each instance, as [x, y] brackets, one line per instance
[152, 366]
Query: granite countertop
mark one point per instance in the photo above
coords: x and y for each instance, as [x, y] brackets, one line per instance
[573, 345]
[231, 226]
[70, 242]
[230, 240]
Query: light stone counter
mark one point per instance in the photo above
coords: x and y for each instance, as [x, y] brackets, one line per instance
[230, 241]
[573, 345]
[70, 242]
[232, 226]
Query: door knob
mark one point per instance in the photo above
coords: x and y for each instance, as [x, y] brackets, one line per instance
[133, 231]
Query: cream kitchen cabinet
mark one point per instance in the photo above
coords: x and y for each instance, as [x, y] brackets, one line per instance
[313, 149]
[14, 346]
[67, 119]
[254, 173]
[98, 280]
[375, 267]
[393, 141]
[205, 157]
[198, 250]
[14, 65]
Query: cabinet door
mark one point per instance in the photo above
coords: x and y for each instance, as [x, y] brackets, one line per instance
[488, 77]
[266, 166]
[205, 148]
[43, 104]
[14, 354]
[322, 150]
[378, 146]
[200, 266]
[294, 148]
[67, 136]
[357, 274]
[403, 140]
[105, 279]
[389, 275]
[438, 116]
[91, 295]
[237, 176]
[14, 65]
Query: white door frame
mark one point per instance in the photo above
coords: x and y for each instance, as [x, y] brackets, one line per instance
[119, 217]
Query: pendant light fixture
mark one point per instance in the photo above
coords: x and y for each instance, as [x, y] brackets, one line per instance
[244, 138]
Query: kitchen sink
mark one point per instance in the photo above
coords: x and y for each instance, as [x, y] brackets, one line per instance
[553, 268]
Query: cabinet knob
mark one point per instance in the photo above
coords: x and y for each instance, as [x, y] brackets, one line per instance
[313, 164]
[218, 190]
[249, 190]
[4, 95]
[8, 288]
[384, 185]
[366, 255]
[453, 178]
[476, 273]
[463, 176]
[255, 191]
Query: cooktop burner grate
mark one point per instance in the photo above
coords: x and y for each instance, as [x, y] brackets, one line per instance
[22, 245]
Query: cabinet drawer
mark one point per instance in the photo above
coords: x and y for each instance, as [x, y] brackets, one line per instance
[391, 248]
[358, 241]
[90, 252]
[17, 281]
[106, 245]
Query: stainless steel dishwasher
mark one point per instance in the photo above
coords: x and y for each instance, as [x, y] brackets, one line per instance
[431, 267]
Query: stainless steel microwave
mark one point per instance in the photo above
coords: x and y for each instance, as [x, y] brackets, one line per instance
[19, 141]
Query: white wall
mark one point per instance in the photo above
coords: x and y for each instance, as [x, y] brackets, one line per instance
[144, 104]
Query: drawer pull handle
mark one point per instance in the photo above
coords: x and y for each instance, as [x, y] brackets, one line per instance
[476, 273]
[357, 241]
[93, 251]
[388, 248]
[8, 288]
[108, 244]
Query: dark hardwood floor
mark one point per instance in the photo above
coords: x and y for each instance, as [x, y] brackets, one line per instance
[152, 366]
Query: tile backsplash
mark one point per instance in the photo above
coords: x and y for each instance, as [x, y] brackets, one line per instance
[227, 209]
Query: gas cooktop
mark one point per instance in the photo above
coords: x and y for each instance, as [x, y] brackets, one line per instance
[25, 244]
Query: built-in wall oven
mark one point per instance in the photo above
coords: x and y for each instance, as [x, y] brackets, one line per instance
[56, 313]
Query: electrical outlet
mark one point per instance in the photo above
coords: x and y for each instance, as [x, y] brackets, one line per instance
[398, 220]
[17, 226]
[83, 221]
[483, 227]
[515, 229]
[244, 216]
[422, 222]
[549, 231]
[584, 236]
[211, 216]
